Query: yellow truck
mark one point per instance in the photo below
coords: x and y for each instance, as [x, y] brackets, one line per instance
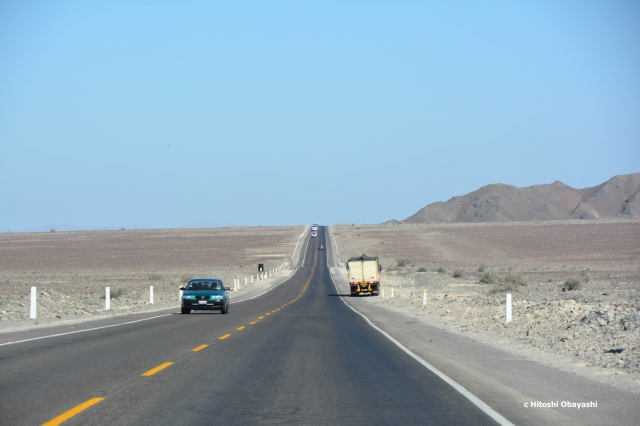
[364, 275]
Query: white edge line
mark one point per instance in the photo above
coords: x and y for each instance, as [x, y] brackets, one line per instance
[266, 291]
[335, 243]
[283, 281]
[305, 255]
[296, 247]
[82, 331]
[138, 320]
[132, 322]
[461, 389]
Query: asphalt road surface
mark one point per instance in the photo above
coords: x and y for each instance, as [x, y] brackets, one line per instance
[295, 355]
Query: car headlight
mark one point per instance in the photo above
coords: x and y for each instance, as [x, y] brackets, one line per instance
[188, 297]
[215, 298]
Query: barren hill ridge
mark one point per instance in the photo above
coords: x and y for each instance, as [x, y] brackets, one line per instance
[616, 198]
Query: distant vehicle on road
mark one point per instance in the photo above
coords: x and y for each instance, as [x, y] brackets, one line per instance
[320, 247]
[314, 233]
[205, 294]
[364, 275]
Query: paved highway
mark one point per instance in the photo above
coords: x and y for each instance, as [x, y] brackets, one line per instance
[295, 355]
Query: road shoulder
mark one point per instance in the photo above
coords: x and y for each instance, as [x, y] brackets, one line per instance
[503, 380]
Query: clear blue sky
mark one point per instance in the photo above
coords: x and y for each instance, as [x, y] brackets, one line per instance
[172, 114]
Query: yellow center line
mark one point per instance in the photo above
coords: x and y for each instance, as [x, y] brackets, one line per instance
[67, 415]
[199, 348]
[158, 368]
[268, 313]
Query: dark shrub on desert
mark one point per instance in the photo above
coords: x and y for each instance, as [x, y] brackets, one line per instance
[572, 284]
[488, 277]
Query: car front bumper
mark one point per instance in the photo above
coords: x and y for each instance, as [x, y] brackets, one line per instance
[195, 306]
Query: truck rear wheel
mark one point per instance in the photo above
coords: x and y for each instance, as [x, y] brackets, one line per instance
[354, 293]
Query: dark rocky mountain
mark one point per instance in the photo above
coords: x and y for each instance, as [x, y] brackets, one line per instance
[616, 198]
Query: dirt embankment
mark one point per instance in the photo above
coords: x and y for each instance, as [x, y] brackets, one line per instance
[595, 326]
[72, 269]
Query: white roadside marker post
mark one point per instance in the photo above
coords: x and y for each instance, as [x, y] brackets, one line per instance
[245, 280]
[508, 313]
[251, 279]
[392, 292]
[181, 293]
[424, 298]
[33, 312]
[151, 295]
[382, 294]
[107, 298]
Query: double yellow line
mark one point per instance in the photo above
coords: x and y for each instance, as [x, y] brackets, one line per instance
[80, 408]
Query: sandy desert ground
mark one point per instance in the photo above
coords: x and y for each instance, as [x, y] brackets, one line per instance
[595, 327]
[72, 269]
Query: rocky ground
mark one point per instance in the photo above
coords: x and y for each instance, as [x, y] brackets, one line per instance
[595, 326]
[72, 269]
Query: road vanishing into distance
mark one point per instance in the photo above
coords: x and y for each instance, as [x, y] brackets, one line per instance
[295, 355]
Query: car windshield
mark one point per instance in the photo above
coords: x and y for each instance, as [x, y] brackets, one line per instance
[204, 285]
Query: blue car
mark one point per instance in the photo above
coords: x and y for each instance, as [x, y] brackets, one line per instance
[205, 294]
